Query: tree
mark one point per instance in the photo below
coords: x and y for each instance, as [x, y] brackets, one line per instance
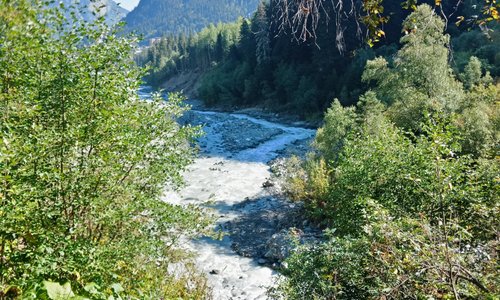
[246, 44]
[262, 38]
[473, 74]
[420, 78]
[303, 16]
[339, 122]
[219, 50]
[83, 163]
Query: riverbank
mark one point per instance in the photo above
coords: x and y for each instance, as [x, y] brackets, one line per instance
[258, 112]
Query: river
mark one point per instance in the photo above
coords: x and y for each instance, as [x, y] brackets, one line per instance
[230, 172]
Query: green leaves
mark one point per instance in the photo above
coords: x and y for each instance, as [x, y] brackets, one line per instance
[82, 159]
[403, 192]
[117, 288]
[55, 291]
[339, 122]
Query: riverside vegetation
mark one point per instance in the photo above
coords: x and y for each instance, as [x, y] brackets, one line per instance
[83, 162]
[404, 183]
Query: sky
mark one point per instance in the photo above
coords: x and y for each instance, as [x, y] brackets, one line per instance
[128, 4]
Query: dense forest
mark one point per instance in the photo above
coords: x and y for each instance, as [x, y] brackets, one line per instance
[266, 65]
[154, 18]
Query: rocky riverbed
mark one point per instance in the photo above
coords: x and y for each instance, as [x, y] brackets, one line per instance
[232, 174]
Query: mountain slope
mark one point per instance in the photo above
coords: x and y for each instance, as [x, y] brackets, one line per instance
[156, 17]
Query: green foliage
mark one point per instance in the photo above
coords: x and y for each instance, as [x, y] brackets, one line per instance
[55, 291]
[478, 131]
[483, 45]
[262, 35]
[421, 78]
[407, 187]
[83, 163]
[394, 259]
[264, 67]
[399, 172]
[473, 74]
[330, 138]
[275, 64]
[479, 113]
[172, 54]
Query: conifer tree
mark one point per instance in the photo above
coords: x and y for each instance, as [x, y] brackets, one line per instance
[262, 38]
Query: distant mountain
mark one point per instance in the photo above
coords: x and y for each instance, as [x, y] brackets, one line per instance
[89, 10]
[153, 18]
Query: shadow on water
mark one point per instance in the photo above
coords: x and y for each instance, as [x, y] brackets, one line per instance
[255, 223]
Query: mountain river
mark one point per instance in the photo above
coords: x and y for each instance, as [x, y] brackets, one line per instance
[230, 172]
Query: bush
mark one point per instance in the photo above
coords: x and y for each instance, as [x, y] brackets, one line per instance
[83, 164]
[409, 192]
[330, 138]
[393, 259]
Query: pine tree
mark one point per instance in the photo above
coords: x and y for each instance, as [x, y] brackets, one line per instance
[246, 44]
[219, 48]
[263, 45]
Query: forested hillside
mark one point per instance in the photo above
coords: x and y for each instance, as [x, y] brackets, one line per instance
[155, 18]
[175, 54]
[266, 65]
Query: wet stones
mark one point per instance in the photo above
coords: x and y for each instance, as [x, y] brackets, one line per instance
[268, 229]
[248, 135]
[268, 183]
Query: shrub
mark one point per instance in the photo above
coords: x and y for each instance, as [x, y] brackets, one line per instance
[406, 258]
[83, 163]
